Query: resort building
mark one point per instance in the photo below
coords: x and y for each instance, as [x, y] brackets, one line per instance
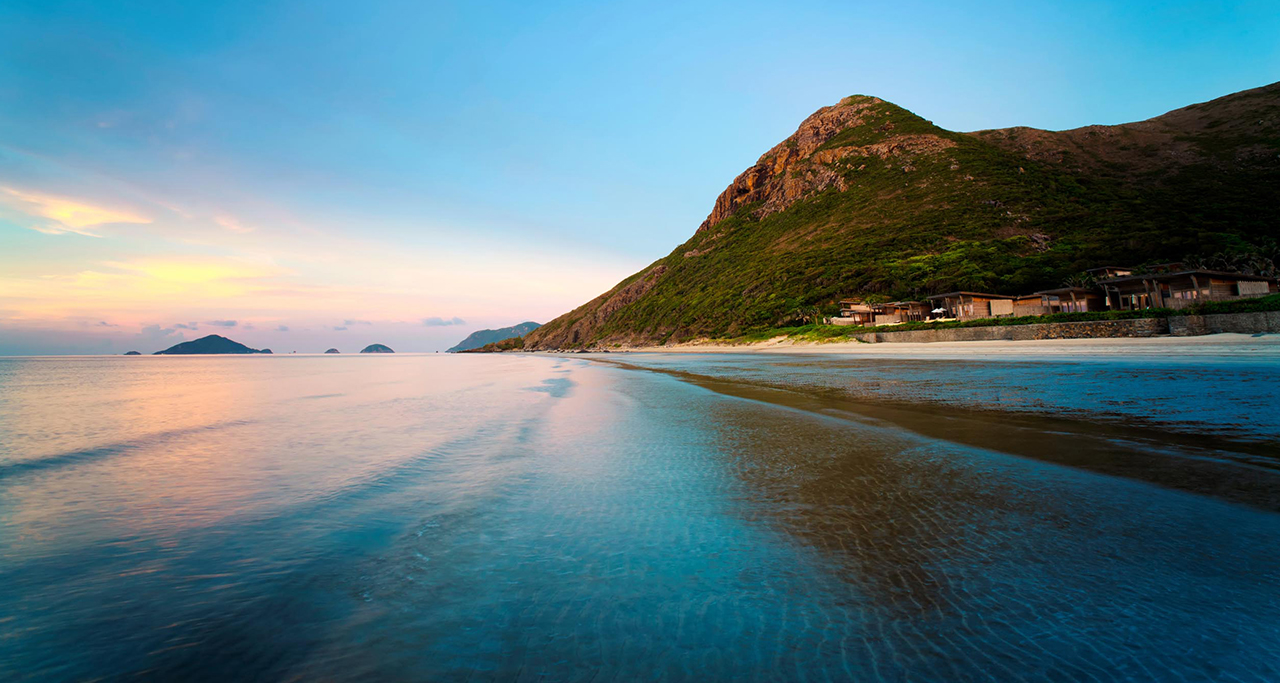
[900, 312]
[1029, 304]
[1072, 300]
[855, 312]
[1168, 285]
[967, 305]
[1182, 289]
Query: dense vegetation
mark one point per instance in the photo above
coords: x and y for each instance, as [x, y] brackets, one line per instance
[981, 214]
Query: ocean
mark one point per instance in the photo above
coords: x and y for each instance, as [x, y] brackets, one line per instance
[639, 517]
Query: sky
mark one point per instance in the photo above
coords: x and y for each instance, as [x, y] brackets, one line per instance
[306, 175]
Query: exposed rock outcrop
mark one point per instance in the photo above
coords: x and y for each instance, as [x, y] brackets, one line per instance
[801, 167]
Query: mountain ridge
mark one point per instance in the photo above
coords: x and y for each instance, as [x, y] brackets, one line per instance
[480, 338]
[867, 198]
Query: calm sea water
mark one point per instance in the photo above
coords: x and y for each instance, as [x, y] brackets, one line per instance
[637, 517]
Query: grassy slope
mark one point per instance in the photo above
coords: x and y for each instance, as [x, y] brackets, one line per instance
[977, 216]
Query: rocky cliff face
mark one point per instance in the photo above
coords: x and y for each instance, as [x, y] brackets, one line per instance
[802, 165]
[868, 198]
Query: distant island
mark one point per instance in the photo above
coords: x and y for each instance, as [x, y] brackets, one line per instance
[479, 338]
[212, 344]
[377, 348]
[132, 353]
[333, 351]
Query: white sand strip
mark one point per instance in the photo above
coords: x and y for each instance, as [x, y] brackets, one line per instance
[1242, 346]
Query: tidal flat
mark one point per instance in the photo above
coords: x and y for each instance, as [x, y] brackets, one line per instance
[639, 516]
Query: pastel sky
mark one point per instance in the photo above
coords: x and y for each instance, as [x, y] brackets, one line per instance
[300, 175]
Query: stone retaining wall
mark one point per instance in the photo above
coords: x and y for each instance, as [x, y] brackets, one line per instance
[1243, 323]
[1144, 327]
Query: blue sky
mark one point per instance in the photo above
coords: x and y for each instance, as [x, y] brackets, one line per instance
[301, 164]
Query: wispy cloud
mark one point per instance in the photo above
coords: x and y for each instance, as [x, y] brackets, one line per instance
[338, 328]
[356, 322]
[282, 328]
[221, 323]
[186, 326]
[65, 215]
[441, 322]
[232, 223]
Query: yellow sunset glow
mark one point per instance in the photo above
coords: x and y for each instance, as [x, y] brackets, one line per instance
[197, 272]
[139, 284]
[69, 212]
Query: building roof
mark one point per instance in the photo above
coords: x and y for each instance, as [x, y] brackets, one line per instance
[1187, 273]
[1069, 290]
[1094, 270]
[981, 294]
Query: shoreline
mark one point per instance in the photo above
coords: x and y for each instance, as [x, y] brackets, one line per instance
[1244, 346]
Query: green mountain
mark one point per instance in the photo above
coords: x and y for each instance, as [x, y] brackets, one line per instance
[867, 198]
[479, 338]
[377, 348]
[212, 344]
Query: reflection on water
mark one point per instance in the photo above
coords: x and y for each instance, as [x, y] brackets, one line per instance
[524, 517]
[1208, 425]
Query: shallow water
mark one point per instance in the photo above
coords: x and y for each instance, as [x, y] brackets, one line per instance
[523, 517]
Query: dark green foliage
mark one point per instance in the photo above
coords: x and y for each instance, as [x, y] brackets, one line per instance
[1265, 303]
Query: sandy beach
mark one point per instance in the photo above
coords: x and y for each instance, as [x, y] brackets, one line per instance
[1236, 345]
